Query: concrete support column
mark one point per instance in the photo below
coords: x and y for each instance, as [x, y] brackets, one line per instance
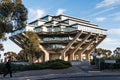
[46, 54]
[71, 57]
[88, 56]
[68, 57]
[46, 57]
[63, 56]
[80, 56]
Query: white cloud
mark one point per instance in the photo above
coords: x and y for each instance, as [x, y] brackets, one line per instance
[113, 39]
[60, 11]
[101, 12]
[39, 13]
[35, 13]
[106, 3]
[100, 19]
[110, 43]
[115, 31]
[115, 16]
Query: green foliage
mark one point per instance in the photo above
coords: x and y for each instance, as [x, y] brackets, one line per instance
[11, 55]
[11, 12]
[105, 52]
[1, 46]
[32, 42]
[53, 64]
[58, 64]
[20, 15]
[104, 65]
[2, 68]
[116, 53]
[6, 9]
[22, 55]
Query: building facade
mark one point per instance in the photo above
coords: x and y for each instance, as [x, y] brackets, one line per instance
[62, 37]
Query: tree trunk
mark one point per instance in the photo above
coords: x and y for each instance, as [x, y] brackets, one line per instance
[30, 60]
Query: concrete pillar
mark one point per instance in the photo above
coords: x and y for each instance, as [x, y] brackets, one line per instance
[68, 57]
[46, 54]
[46, 57]
[88, 56]
[71, 57]
[80, 56]
[63, 56]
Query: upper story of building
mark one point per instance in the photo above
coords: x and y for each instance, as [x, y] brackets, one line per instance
[59, 23]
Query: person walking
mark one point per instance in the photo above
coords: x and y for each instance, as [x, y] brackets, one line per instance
[8, 67]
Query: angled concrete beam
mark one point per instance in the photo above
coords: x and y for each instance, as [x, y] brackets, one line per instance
[80, 44]
[13, 39]
[95, 45]
[70, 44]
[88, 44]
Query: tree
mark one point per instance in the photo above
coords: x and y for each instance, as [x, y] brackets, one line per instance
[1, 49]
[13, 15]
[11, 55]
[32, 42]
[22, 55]
[104, 52]
[38, 55]
[117, 53]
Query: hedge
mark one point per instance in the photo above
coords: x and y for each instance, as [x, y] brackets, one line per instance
[53, 64]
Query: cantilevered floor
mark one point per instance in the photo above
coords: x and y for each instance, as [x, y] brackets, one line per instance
[62, 37]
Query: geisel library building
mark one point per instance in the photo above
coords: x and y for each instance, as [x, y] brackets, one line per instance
[63, 37]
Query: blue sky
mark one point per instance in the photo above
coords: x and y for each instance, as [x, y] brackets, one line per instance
[104, 13]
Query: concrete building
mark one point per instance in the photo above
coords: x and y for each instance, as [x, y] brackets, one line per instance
[63, 37]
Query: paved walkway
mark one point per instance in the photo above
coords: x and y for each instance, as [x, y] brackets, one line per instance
[75, 71]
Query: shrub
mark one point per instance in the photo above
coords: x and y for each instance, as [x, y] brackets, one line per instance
[52, 64]
[59, 62]
[2, 68]
[57, 65]
[104, 65]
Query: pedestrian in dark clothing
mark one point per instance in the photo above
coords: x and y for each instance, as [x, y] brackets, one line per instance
[8, 68]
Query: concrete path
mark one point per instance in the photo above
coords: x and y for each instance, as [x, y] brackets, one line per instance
[65, 75]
